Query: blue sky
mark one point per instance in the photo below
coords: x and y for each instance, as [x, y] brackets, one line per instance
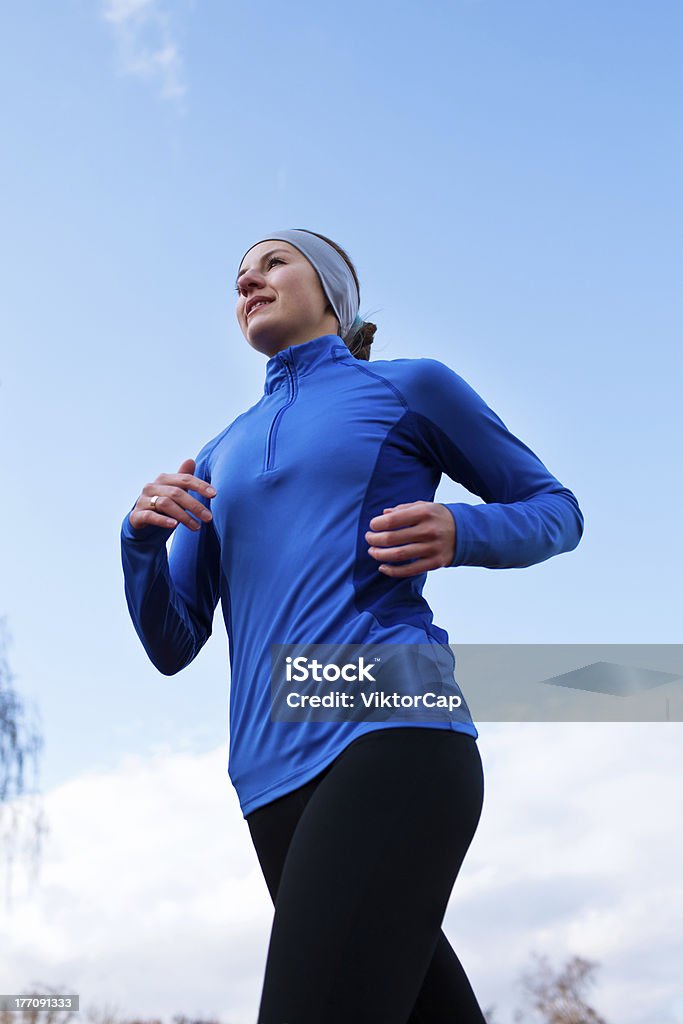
[506, 178]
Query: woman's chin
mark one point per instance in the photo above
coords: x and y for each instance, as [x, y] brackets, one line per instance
[266, 342]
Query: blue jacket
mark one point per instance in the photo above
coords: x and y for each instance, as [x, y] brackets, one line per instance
[332, 442]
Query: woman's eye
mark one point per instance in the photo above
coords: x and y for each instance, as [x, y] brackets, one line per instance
[273, 259]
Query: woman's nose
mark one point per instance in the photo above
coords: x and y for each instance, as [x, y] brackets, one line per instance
[250, 282]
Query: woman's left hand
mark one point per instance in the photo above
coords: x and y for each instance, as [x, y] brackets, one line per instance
[424, 530]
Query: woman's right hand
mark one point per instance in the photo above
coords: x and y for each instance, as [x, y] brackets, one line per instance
[174, 504]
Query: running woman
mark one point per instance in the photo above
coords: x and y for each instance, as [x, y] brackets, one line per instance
[311, 517]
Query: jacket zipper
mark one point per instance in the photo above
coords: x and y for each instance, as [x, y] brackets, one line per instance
[270, 442]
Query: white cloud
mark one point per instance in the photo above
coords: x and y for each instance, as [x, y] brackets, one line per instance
[150, 897]
[146, 47]
[577, 852]
[122, 10]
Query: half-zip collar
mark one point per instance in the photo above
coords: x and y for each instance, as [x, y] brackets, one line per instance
[303, 359]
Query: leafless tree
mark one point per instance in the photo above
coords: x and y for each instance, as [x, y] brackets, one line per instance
[179, 1019]
[33, 1015]
[558, 998]
[20, 805]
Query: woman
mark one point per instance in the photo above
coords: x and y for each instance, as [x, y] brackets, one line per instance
[311, 517]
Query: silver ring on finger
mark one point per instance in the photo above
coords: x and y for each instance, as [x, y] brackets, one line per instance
[153, 501]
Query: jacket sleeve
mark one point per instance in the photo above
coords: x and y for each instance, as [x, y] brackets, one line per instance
[527, 515]
[172, 596]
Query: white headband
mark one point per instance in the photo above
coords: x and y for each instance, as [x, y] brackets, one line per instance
[334, 273]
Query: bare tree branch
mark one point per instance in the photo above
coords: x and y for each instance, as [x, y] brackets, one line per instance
[558, 998]
[19, 741]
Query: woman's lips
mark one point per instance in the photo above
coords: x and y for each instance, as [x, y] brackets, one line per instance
[257, 308]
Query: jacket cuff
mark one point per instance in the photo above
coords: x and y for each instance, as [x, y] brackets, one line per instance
[152, 535]
[461, 512]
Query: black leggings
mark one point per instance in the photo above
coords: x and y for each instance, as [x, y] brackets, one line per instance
[360, 863]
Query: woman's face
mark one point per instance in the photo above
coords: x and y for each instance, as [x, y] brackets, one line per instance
[296, 310]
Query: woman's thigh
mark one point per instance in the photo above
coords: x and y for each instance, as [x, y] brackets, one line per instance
[367, 858]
